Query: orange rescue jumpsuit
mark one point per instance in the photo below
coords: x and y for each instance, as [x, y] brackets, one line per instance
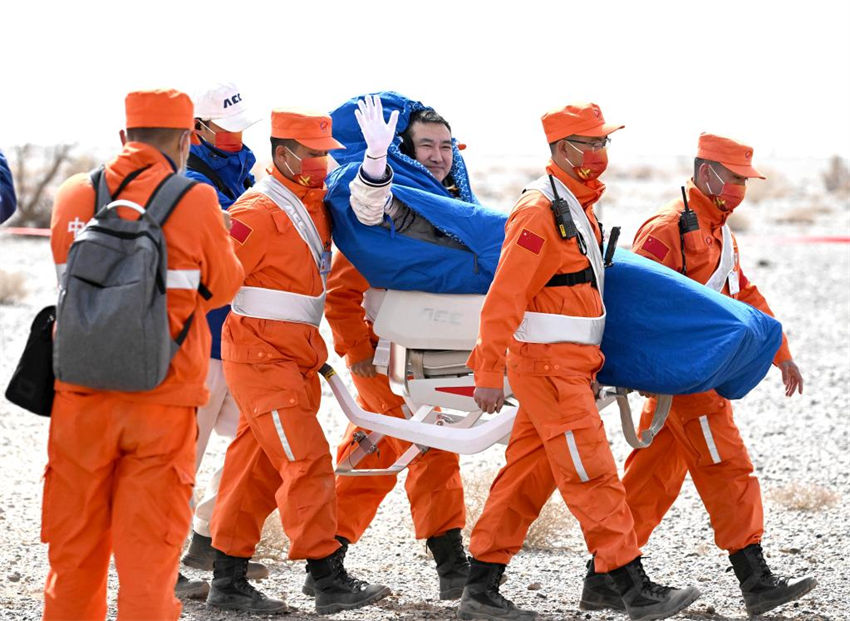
[279, 457]
[700, 435]
[558, 439]
[121, 466]
[433, 483]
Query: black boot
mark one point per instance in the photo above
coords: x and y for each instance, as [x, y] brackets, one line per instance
[599, 592]
[190, 589]
[644, 599]
[309, 588]
[481, 598]
[201, 555]
[336, 590]
[452, 565]
[762, 590]
[231, 590]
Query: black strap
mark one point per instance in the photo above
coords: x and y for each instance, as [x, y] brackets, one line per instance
[196, 163]
[184, 331]
[573, 278]
[102, 196]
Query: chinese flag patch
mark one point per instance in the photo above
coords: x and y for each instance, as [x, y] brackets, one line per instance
[239, 231]
[655, 247]
[530, 241]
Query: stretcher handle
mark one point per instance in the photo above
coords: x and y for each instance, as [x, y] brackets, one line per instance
[659, 417]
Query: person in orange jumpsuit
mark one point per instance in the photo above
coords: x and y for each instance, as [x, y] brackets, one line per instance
[545, 307]
[700, 436]
[271, 351]
[121, 465]
[433, 484]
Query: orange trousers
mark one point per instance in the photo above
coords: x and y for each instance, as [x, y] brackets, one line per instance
[557, 441]
[119, 480]
[699, 437]
[278, 459]
[433, 483]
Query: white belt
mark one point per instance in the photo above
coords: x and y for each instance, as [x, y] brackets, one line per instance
[550, 328]
[279, 305]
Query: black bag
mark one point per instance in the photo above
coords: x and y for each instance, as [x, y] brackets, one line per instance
[31, 386]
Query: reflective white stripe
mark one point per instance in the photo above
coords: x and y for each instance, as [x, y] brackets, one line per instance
[60, 271]
[726, 266]
[709, 439]
[278, 424]
[183, 279]
[550, 328]
[279, 305]
[571, 444]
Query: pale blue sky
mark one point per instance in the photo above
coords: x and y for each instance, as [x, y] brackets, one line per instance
[773, 76]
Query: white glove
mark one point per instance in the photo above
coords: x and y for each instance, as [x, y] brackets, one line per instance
[378, 134]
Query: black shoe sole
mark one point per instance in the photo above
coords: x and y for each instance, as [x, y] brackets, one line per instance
[285, 609]
[802, 589]
[653, 616]
[586, 604]
[332, 608]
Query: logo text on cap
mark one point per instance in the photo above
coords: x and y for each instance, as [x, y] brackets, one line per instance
[232, 101]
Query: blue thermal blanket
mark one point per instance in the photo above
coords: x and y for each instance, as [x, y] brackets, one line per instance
[667, 334]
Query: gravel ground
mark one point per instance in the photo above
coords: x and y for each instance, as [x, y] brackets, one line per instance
[800, 447]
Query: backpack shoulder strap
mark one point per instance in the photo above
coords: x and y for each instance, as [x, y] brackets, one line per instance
[167, 195]
[196, 163]
[101, 191]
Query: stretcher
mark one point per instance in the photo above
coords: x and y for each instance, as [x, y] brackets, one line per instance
[425, 340]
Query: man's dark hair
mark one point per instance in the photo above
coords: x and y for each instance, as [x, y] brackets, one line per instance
[154, 135]
[424, 115]
[289, 143]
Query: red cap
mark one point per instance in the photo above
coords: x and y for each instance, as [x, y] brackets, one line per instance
[311, 130]
[576, 119]
[159, 108]
[735, 156]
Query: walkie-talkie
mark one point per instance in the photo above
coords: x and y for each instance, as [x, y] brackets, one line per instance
[563, 218]
[612, 246]
[688, 223]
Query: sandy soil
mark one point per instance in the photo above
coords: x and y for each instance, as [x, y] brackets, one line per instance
[800, 446]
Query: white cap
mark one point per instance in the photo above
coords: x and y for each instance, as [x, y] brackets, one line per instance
[223, 105]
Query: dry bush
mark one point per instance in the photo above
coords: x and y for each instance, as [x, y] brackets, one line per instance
[545, 533]
[799, 496]
[38, 171]
[274, 544]
[11, 287]
[797, 215]
[836, 178]
[739, 222]
[776, 185]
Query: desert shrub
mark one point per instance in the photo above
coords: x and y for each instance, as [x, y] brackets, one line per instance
[545, 532]
[11, 287]
[836, 178]
[799, 496]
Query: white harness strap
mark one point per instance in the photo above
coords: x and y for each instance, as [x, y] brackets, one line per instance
[725, 271]
[553, 328]
[280, 305]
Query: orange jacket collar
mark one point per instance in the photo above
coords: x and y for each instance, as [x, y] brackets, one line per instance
[587, 192]
[304, 193]
[137, 155]
[706, 210]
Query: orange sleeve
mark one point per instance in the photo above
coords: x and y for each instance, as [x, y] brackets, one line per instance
[344, 311]
[523, 270]
[221, 271]
[250, 228]
[72, 208]
[658, 239]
